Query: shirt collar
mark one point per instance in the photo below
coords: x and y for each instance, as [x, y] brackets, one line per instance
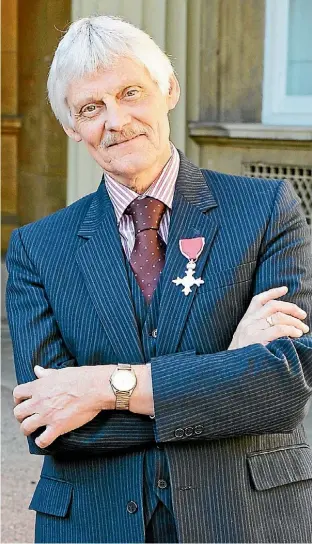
[162, 188]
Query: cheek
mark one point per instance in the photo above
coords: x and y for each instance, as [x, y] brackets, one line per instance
[151, 115]
[92, 132]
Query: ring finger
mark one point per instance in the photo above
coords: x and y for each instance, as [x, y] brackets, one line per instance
[278, 307]
[279, 318]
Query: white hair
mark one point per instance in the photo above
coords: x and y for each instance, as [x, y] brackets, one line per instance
[93, 43]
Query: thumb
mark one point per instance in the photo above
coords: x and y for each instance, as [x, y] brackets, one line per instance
[42, 372]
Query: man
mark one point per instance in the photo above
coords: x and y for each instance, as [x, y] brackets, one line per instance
[172, 381]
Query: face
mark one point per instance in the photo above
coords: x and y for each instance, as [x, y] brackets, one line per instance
[122, 117]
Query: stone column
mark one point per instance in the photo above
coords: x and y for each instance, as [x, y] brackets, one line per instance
[10, 122]
[42, 175]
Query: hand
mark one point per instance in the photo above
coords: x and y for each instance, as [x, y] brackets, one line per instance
[286, 318]
[62, 400]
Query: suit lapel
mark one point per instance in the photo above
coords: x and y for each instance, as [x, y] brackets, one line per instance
[192, 215]
[102, 263]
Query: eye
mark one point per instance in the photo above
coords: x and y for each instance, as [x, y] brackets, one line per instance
[90, 109]
[132, 93]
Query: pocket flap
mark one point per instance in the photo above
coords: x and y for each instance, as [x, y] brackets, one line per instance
[52, 497]
[229, 276]
[280, 467]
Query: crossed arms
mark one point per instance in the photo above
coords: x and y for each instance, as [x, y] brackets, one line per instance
[260, 387]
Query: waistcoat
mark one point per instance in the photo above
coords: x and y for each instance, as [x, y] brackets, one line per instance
[156, 472]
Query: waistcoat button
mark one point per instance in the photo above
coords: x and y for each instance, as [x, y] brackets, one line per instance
[132, 507]
[162, 484]
[154, 333]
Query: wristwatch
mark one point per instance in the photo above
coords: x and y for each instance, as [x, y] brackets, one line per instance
[123, 382]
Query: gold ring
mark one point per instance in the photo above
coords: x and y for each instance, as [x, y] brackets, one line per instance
[269, 320]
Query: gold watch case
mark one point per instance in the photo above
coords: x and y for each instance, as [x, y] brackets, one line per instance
[123, 379]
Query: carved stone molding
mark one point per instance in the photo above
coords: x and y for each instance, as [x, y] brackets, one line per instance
[250, 134]
[10, 124]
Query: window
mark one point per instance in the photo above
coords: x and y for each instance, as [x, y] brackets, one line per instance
[287, 86]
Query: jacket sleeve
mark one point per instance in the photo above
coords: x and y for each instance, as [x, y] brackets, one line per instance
[37, 340]
[256, 389]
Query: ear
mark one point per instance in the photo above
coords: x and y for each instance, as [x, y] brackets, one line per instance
[174, 92]
[72, 134]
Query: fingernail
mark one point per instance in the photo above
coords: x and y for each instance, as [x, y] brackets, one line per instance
[306, 328]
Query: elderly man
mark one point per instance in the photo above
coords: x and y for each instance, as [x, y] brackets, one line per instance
[159, 371]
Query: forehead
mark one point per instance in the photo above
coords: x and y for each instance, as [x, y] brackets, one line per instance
[122, 73]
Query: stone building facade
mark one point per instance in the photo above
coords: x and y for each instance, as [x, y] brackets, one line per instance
[236, 61]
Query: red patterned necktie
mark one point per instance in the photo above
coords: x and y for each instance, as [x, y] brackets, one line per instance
[148, 256]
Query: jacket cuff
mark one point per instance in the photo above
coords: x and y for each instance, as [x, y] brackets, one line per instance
[158, 366]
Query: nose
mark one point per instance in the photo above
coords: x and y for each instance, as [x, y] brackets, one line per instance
[116, 117]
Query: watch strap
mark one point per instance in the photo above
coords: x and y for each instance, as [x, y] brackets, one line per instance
[124, 366]
[122, 400]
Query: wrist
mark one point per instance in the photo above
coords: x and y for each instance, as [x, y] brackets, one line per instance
[233, 344]
[106, 394]
[141, 400]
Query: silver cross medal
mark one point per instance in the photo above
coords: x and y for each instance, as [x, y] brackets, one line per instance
[191, 248]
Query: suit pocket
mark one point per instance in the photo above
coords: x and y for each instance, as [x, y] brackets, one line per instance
[280, 467]
[52, 497]
[229, 276]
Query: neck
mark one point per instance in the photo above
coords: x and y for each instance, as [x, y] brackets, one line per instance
[141, 182]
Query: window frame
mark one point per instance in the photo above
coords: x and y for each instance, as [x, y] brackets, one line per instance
[278, 108]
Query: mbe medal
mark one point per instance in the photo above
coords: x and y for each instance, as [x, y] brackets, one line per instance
[191, 248]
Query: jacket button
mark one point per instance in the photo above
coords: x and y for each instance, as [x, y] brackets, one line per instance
[189, 431]
[162, 484]
[199, 429]
[154, 333]
[179, 433]
[132, 507]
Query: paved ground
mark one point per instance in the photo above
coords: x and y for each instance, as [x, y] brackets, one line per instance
[20, 470]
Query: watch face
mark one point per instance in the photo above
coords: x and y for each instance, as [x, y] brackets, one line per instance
[124, 380]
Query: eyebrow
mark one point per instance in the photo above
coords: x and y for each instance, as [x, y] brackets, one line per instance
[86, 100]
[93, 98]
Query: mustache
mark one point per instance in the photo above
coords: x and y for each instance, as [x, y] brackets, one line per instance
[127, 133]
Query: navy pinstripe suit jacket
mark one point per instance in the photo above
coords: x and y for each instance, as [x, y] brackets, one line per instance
[230, 421]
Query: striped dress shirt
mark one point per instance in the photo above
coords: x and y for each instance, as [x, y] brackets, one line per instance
[162, 189]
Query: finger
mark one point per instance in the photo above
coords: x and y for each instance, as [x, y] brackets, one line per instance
[280, 318]
[262, 298]
[42, 372]
[23, 409]
[278, 331]
[22, 392]
[274, 306]
[47, 437]
[16, 401]
[31, 424]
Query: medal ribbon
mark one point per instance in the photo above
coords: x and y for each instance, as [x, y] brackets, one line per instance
[191, 248]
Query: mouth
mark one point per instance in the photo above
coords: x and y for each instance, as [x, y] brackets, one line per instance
[126, 141]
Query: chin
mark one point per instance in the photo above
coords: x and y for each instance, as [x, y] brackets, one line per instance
[133, 168]
[132, 163]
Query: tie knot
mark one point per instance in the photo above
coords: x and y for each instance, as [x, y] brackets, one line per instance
[146, 213]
